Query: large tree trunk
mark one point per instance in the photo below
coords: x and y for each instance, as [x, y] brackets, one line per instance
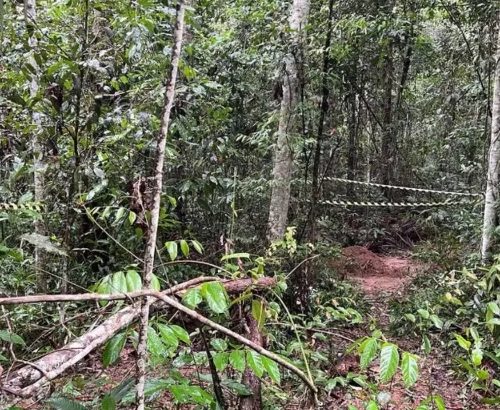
[388, 140]
[283, 159]
[152, 231]
[493, 174]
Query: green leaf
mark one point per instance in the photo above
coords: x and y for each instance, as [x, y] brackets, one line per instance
[409, 368]
[426, 344]
[254, 361]
[272, 369]
[134, 281]
[184, 248]
[155, 344]
[61, 403]
[171, 249]
[198, 247]
[389, 360]
[155, 283]
[221, 360]
[372, 405]
[439, 402]
[437, 321]
[191, 394]
[369, 352]
[152, 388]
[192, 297]
[241, 255]
[113, 349]
[108, 403]
[494, 308]
[118, 283]
[237, 360]
[10, 337]
[120, 391]
[424, 313]
[463, 343]
[132, 216]
[477, 356]
[215, 295]
[168, 336]
[181, 334]
[259, 312]
[219, 344]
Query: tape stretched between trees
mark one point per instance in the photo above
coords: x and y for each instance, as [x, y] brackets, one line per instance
[433, 191]
[30, 206]
[394, 204]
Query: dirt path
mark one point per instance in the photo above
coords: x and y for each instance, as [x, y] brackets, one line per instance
[384, 278]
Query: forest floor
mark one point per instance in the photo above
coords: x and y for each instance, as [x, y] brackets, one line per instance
[382, 280]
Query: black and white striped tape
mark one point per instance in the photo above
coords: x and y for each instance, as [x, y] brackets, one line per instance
[432, 191]
[394, 204]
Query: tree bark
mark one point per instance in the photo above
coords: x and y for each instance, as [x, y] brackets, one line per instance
[39, 166]
[253, 402]
[490, 219]
[283, 159]
[152, 232]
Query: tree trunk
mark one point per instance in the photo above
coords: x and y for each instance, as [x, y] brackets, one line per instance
[283, 159]
[149, 256]
[253, 402]
[388, 142]
[493, 173]
[39, 165]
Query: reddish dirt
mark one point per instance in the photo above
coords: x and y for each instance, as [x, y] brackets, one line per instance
[374, 273]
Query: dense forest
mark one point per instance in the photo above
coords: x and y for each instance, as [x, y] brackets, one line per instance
[267, 204]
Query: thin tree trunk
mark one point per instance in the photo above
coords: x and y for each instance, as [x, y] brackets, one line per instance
[493, 176]
[149, 256]
[39, 166]
[283, 159]
[321, 125]
[388, 143]
[254, 401]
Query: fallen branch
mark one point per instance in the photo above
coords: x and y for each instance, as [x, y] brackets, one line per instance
[55, 363]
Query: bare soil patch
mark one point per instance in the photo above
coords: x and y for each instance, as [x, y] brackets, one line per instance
[375, 273]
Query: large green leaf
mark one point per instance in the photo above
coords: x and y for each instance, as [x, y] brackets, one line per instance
[237, 359]
[168, 336]
[171, 249]
[184, 393]
[181, 334]
[369, 349]
[134, 281]
[254, 361]
[409, 368]
[192, 297]
[10, 337]
[259, 312]
[215, 295]
[221, 360]
[118, 283]
[389, 361]
[184, 248]
[272, 369]
[113, 349]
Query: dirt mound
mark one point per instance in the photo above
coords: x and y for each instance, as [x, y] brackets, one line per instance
[374, 273]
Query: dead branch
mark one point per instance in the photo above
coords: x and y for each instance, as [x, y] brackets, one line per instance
[56, 362]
